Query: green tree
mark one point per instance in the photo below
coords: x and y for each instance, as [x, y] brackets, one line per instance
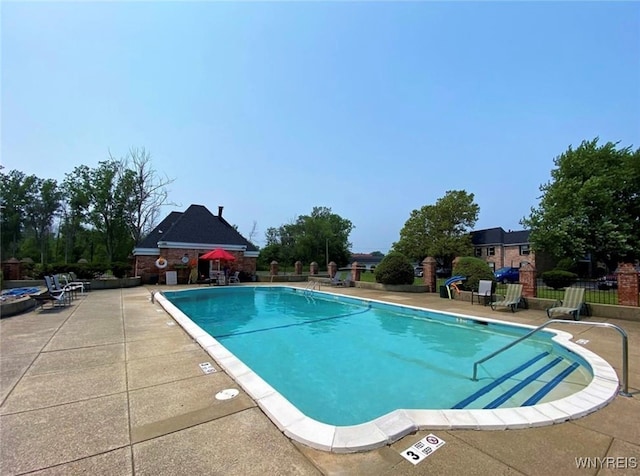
[103, 195]
[13, 199]
[441, 230]
[591, 206]
[308, 238]
[320, 233]
[42, 207]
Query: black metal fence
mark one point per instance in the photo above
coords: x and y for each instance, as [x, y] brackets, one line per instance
[595, 291]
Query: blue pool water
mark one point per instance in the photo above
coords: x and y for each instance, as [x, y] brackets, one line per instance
[344, 361]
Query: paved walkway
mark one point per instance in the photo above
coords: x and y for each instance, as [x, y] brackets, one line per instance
[111, 385]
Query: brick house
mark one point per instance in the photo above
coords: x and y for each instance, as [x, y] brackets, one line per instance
[501, 248]
[182, 237]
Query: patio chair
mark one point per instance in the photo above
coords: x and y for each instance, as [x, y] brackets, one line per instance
[336, 280]
[221, 279]
[234, 278]
[86, 284]
[346, 282]
[571, 305]
[484, 293]
[51, 295]
[71, 289]
[69, 281]
[512, 298]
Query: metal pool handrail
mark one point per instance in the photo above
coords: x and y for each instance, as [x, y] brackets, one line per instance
[625, 349]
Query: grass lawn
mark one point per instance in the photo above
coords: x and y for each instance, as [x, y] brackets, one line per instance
[368, 277]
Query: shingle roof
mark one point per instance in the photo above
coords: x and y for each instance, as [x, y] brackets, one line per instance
[497, 236]
[490, 236]
[195, 225]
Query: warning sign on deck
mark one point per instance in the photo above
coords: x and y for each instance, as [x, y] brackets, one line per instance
[423, 448]
[207, 368]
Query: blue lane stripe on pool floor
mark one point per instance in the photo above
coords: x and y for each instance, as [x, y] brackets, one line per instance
[515, 389]
[536, 397]
[497, 382]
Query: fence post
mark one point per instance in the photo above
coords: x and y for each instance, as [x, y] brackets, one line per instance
[298, 267]
[333, 269]
[528, 280]
[355, 272]
[628, 286]
[273, 271]
[313, 268]
[429, 273]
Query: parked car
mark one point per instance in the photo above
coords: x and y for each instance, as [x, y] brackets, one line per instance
[418, 271]
[610, 281]
[508, 274]
[443, 272]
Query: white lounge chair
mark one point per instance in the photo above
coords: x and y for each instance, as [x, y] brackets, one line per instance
[571, 305]
[346, 282]
[512, 298]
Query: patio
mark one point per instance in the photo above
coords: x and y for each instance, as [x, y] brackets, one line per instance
[111, 385]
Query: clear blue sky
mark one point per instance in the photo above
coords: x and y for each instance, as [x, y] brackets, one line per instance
[371, 109]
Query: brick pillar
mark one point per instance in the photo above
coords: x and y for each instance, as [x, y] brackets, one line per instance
[628, 286]
[333, 269]
[313, 268]
[273, 269]
[298, 267]
[11, 269]
[528, 280]
[355, 272]
[429, 273]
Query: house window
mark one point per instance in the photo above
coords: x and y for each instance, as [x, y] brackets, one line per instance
[491, 251]
[492, 265]
[478, 251]
[524, 249]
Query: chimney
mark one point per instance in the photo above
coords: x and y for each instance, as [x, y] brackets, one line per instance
[220, 207]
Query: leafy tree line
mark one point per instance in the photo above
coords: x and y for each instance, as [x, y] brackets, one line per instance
[442, 231]
[591, 206]
[98, 214]
[321, 236]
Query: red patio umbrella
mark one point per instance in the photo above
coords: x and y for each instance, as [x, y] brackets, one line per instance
[218, 254]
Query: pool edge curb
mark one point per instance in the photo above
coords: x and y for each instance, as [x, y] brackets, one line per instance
[394, 425]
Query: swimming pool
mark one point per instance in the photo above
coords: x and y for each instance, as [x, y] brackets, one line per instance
[360, 373]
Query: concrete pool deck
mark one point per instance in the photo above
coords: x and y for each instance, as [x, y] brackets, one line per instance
[111, 385]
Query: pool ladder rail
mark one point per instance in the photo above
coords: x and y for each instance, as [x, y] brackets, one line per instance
[311, 285]
[624, 391]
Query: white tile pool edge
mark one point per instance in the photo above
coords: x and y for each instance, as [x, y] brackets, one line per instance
[399, 423]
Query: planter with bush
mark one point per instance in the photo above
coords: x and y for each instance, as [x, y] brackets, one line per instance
[474, 269]
[395, 268]
[558, 278]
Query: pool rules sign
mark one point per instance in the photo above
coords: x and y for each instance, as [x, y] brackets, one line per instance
[423, 448]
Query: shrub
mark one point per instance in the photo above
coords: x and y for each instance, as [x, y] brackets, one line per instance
[395, 268]
[567, 264]
[558, 278]
[474, 269]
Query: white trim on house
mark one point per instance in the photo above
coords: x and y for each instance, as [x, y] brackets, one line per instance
[251, 254]
[200, 246]
[146, 251]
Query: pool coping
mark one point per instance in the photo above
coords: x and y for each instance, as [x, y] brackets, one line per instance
[391, 427]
